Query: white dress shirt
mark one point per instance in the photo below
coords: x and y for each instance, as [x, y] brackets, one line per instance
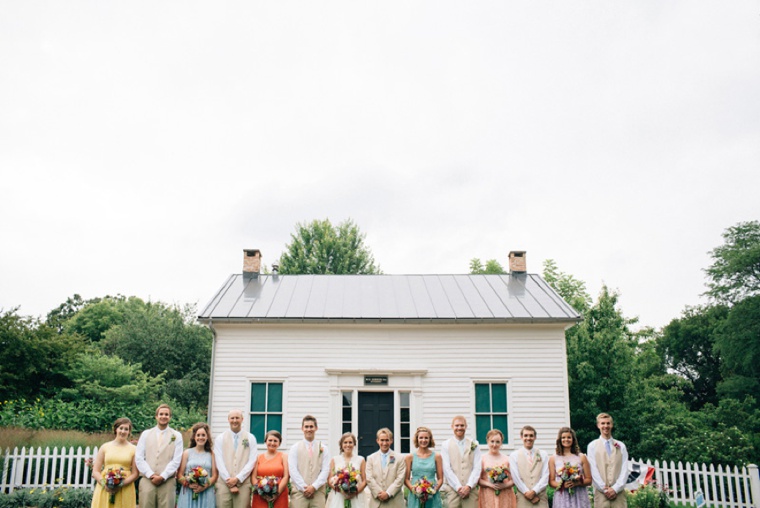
[224, 473]
[596, 476]
[448, 473]
[295, 475]
[514, 470]
[172, 466]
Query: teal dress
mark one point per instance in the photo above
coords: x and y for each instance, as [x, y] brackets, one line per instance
[420, 468]
[207, 498]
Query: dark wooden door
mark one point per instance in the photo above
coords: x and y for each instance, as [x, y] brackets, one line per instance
[375, 412]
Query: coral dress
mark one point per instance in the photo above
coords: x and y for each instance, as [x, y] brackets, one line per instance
[488, 497]
[562, 497]
[116, 456]
[270, 467]
[207, 498]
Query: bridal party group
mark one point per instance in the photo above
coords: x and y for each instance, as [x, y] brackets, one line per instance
[228, 471]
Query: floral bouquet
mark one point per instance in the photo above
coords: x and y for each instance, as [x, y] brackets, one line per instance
[266, 487]
[423, 489]
[569, 473]
[497, 474]
[113, 479]
[198, 476]
[346, 480]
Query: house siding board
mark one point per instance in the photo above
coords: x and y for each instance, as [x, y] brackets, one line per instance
[490, 353]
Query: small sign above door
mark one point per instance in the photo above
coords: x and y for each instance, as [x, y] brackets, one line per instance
[375, 380]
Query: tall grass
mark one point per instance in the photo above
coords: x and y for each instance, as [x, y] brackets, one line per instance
[12, 437]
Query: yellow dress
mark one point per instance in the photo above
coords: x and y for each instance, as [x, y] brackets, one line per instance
[116, 457]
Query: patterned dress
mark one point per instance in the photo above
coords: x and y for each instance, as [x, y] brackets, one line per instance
[562, 497]
[207, 498]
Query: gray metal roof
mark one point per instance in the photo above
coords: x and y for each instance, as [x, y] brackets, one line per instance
[401, 298]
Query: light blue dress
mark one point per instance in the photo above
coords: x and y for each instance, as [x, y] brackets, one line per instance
[207, 498]
[420, 468]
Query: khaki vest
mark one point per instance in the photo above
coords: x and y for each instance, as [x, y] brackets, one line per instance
[159, 457]
[609, 466]
[530, 475]
[309, 467]
[234, 460]
[461, 464]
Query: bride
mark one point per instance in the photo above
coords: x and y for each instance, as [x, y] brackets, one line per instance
[347, 459]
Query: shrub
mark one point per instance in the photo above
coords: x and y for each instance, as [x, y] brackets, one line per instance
[57, 497]
[649, 496]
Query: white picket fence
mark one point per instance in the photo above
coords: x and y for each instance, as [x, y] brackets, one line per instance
[30, 468]
[722, 487]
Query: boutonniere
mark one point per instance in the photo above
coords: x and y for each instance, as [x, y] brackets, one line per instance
[473, 446]
[174, 438]
[321, 449]
[392, 459]
[538, 457]
[245, 443]
[615, 444]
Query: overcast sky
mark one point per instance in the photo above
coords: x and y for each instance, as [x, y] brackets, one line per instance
[143, 145]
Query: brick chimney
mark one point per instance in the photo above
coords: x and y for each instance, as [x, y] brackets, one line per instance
[517, 262]
[251, 263]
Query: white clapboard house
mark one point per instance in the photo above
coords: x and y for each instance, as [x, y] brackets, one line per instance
[361, 352]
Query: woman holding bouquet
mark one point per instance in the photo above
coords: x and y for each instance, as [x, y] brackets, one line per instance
[347, 479]
[115, 470]
[569, 472]
[198, 470]
[495, 480]
[426, 472]
[271, 464]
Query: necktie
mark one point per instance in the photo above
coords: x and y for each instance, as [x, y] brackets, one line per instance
[530, 456]
[235, 441]
[385, 460]
[311, 451]
[609, 447]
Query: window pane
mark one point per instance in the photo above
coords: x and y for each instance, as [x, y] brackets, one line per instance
[346, 427]
[274, 401]
[500, 422]
[404, 414]
[347, 398]
[257, 427]
[405, 430]
[403, 399]
[405, 444]
[499, 395]
[483, 425]
[482, 398]
[274, 422]
[258, 398]
[346, 414]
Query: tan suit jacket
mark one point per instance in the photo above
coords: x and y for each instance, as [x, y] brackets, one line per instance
[389, 479]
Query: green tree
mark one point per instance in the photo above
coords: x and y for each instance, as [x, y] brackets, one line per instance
[101, 314]
[321, 248]
[492, 267]
[572, 290]
[687, 346]
[735, 271]
[33, 357]
[738, 343]
[166, 340]
[65, 311]
[96, 376]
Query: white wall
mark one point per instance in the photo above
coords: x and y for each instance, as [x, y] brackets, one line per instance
[530, 357]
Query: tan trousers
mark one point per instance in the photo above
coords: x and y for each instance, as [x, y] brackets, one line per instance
[601, 501]
[524, 502]
[157, 497]
[298, 500]
[226, 499]
[450, 498]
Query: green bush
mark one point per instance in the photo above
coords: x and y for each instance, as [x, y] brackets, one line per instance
[649, 496]
[58, 497]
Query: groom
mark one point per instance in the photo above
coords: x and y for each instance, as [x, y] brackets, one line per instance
[235, 452]
[385, 474]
